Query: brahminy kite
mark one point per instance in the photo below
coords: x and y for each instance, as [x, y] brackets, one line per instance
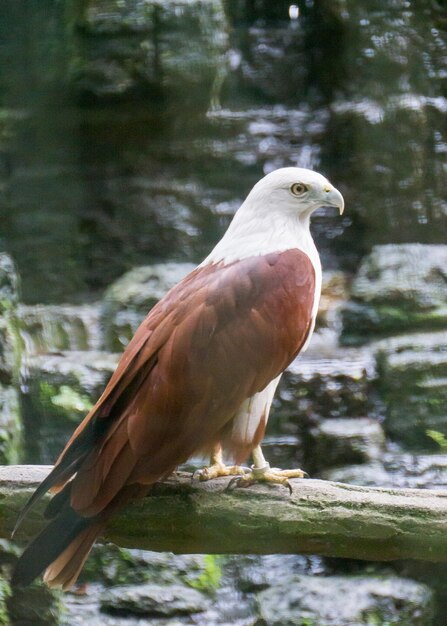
[198, 376]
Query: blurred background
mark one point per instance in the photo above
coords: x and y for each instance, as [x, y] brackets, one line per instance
[130, 132]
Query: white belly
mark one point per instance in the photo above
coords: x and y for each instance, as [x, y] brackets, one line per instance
[251, 413]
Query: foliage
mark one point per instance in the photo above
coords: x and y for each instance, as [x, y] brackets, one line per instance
[210, 577]
[438, 437]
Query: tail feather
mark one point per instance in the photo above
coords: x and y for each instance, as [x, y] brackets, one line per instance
[58, 502]
[63, 546]
[41, 490]
[65, 569]
[48, 545]
[66, 466]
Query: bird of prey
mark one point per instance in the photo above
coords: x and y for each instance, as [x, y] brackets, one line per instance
[198, 376]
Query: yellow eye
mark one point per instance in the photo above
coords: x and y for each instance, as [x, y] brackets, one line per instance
[298, 189]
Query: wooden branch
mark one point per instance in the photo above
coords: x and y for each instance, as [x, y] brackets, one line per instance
[320, 517]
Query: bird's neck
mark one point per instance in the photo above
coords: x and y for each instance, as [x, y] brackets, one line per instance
[252, 234]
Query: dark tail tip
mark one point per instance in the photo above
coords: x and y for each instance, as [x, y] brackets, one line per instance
[47, 546]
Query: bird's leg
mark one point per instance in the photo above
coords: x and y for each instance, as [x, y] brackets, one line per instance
[218, 468]
[261, 471]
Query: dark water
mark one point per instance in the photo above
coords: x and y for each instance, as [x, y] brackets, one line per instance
[104, 165]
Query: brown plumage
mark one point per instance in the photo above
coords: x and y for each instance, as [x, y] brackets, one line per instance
[217, 338]
[199, 373]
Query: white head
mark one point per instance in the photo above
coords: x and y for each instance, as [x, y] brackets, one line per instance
[295, 190]
[276, 214]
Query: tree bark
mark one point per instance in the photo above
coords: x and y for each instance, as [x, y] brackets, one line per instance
[320, 517]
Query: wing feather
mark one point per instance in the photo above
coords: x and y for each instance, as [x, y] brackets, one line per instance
[215, 340]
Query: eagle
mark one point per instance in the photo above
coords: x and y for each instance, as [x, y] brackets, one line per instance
[198, 376]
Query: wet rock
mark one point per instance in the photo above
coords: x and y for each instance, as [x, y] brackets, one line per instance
[9, 284]
[128, 300]
[165, 50]
[396, 469]
[412, 381]
[273, 136]
[255, 573]
[52, 328]
[118, 566]
[64, 385]
[399, 287]
[36, 604]
[226, 605]
[344, 441]
[9, 553]
[269, 46]
[10, 425]
[368, 475]
[313, 387]
[10, 361]
[344, 601]
[153, 600]
[334, 292]
[421, 471]
[10, 345]
[57, 393]
[5, 592]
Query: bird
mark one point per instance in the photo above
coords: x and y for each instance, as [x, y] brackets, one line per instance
[198, 377]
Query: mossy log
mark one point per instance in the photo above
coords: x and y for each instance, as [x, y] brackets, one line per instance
[319, 517]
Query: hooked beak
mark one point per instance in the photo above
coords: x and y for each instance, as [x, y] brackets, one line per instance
[334, 198]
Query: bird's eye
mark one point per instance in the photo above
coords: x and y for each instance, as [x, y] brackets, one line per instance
[298, 189]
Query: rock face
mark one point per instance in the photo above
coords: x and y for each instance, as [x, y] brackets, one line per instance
[344, 441]
[153, 600]
[334, 293]
[128, 300]
[254, 573]
[321, 386]
[398, 288]
[36, 604]
[5, 592]
[141, 48]
[119, 566]
[413, 385]
[60, 390]
[10, 425]
[10, 360]
[84, 373]
[297, 107]
[345, 601]
[52, 328]
[9, 339]
[395, 469]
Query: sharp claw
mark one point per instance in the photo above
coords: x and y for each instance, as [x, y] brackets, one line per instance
[232, 483]
[239, 482]
[264, 474]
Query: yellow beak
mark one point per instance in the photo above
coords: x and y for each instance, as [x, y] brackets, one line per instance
[334, 198]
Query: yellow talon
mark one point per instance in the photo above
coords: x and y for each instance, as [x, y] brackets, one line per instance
[267, 474]
[219, 469]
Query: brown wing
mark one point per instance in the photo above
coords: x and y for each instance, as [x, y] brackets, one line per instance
[218, 337]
